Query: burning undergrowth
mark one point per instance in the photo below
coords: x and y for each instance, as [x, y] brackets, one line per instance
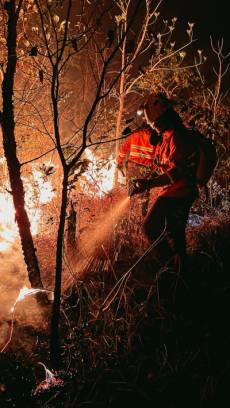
[13, 276]
[16, 308]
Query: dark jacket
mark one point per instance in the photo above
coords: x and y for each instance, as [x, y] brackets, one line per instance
[176, 161]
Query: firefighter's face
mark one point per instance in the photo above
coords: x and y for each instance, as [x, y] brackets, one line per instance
[154, 108]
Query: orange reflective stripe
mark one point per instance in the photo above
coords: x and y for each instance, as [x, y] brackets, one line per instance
[139, 154]
[148, 149]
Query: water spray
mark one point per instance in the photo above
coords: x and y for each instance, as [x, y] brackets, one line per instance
[95, 236]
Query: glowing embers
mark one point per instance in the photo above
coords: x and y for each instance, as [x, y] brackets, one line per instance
[99, 177]
[38, 191]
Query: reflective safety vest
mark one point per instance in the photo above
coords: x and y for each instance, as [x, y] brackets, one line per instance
[137, 149]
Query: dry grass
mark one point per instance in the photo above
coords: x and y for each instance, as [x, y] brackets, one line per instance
[163, 338]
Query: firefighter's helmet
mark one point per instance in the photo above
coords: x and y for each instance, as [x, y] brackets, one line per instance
[156, 105]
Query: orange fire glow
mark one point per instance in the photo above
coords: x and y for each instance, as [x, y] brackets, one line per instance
[99, 175]
[38, 191]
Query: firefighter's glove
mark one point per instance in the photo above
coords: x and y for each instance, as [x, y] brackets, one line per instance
[140, 185]
[126, 131]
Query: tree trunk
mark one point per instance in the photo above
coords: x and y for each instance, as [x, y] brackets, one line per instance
[71, 229]
[118, 124]
[10, 151]
[55, 335]
[121, 105]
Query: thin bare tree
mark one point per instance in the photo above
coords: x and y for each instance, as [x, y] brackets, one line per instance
[59, 45]
[11, 12]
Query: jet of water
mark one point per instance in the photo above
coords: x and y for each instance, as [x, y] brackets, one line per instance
[95, 236]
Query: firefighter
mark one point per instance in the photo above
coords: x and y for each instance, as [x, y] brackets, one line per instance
[136, 157]
[175, 161]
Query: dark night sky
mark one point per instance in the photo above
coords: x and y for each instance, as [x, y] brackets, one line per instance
[211, 17]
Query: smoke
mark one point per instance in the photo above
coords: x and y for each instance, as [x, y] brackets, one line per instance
[13, 276]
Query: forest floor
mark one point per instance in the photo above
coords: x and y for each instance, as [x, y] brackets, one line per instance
[154, 339]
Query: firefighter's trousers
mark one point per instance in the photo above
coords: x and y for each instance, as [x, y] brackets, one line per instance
[169, 215]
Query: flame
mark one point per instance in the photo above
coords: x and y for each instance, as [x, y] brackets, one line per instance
[49, 375]
[38, 191]
[24, 292]
[8, 228]
[46, 193]
[51, 380]
[99, 176]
